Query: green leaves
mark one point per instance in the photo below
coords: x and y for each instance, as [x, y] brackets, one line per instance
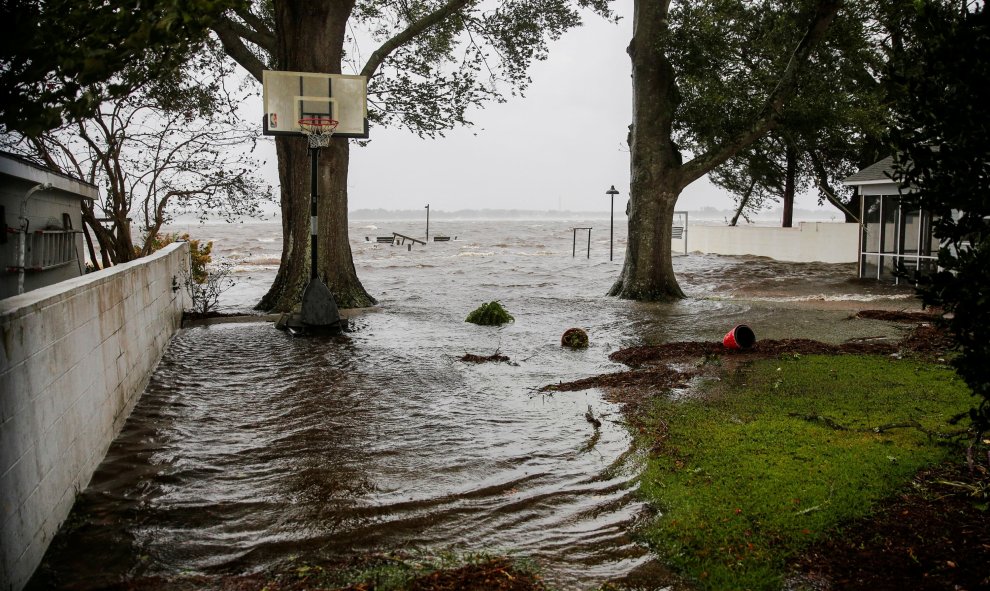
[473, 56]
[489, 314]
[61, 54]
[942, 152]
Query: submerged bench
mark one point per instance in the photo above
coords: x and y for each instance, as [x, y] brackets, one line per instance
[401, 239]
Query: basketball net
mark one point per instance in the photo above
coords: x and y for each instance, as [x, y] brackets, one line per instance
[319, 130]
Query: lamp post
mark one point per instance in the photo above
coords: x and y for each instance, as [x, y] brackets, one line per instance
[611, 193]
[427, 222]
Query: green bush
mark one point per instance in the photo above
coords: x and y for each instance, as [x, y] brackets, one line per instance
[489, 314]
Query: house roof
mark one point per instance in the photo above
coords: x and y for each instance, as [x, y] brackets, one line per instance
[18, 167]
[873, 174]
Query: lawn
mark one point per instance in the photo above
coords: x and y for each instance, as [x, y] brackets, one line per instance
[751, 468]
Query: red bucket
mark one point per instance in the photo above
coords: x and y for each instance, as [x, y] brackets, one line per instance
[740, 337]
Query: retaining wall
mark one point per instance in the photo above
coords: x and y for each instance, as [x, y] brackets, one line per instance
[74, 359]
[826, 242]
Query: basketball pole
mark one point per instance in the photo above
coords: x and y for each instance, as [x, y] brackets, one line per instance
[318, 311]
[314, 161]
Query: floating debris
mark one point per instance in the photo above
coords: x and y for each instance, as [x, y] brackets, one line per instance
[574, 338]
[495, 357]
[590, 417]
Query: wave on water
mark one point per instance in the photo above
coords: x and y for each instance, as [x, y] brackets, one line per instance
[841, 297]
[476, 254]
[259, 261]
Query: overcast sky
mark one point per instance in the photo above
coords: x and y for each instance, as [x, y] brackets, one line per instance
[559, 147]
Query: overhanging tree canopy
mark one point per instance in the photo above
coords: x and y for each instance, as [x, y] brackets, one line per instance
[62, 58]
[433, 61]
[942, 152]
[658, 170]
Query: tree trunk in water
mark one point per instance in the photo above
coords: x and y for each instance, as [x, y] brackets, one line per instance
[336, 263]
[311, 38]
[293, 271]
[655, 183]
[789, 187]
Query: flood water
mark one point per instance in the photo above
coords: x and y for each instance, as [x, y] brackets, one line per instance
[251, 447]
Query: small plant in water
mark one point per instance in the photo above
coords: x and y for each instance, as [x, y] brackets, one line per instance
[489, 314]
[205, 293]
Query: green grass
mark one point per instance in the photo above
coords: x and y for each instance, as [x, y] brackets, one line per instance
[391, 571]
[742, 486]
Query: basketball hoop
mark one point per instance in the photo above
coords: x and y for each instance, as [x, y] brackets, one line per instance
[319, 130]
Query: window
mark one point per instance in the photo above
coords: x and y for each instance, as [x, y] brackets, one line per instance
[895, 239]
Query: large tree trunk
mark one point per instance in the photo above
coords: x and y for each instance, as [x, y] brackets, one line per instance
[658, 174]
[310, 39]
[293, 270]
[790, 184]
[655, 183]
[336, 264]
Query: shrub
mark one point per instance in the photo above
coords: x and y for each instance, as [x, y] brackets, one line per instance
[489, 314]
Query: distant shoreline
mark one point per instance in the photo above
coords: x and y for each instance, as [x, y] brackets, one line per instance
[706, 216]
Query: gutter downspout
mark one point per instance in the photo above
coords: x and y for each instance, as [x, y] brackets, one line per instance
[22, 239]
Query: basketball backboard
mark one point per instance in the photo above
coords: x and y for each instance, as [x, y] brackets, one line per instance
[291, 96]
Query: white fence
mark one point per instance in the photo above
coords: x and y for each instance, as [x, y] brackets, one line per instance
[826, 242]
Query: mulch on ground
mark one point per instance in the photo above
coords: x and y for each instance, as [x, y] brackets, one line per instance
[932, 536]
[900, 316]
[496, 575]
[640, 356]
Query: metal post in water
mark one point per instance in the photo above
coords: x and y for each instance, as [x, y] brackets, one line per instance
[427, 224]
[611, 224]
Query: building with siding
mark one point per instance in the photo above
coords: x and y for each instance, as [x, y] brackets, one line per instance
[41, 240]
[891, 235]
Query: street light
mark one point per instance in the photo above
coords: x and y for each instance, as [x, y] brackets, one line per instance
[427, 222]
[612, 193]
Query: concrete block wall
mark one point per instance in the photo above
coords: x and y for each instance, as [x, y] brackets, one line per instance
[826, 242]
[74, 359]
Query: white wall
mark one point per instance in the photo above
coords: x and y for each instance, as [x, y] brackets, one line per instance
[826, 242]
[74, 359]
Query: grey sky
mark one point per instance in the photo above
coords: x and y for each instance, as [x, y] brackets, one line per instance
[561, 146]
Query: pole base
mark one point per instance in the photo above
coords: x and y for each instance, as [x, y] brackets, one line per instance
[319, 314]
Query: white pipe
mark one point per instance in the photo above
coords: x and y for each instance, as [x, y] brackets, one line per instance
[23, 235]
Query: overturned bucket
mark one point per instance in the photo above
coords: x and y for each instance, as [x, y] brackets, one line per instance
[740, 337]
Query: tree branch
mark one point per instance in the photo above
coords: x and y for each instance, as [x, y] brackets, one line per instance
[265, 34]
[909, 424]
[409, 33]
[769, 114]
[263, 38]
[233, 44]
[821, 179]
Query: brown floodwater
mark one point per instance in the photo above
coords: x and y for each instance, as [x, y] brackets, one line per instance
[250, 448]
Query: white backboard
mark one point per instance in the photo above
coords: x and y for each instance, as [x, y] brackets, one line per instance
[291, 96]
